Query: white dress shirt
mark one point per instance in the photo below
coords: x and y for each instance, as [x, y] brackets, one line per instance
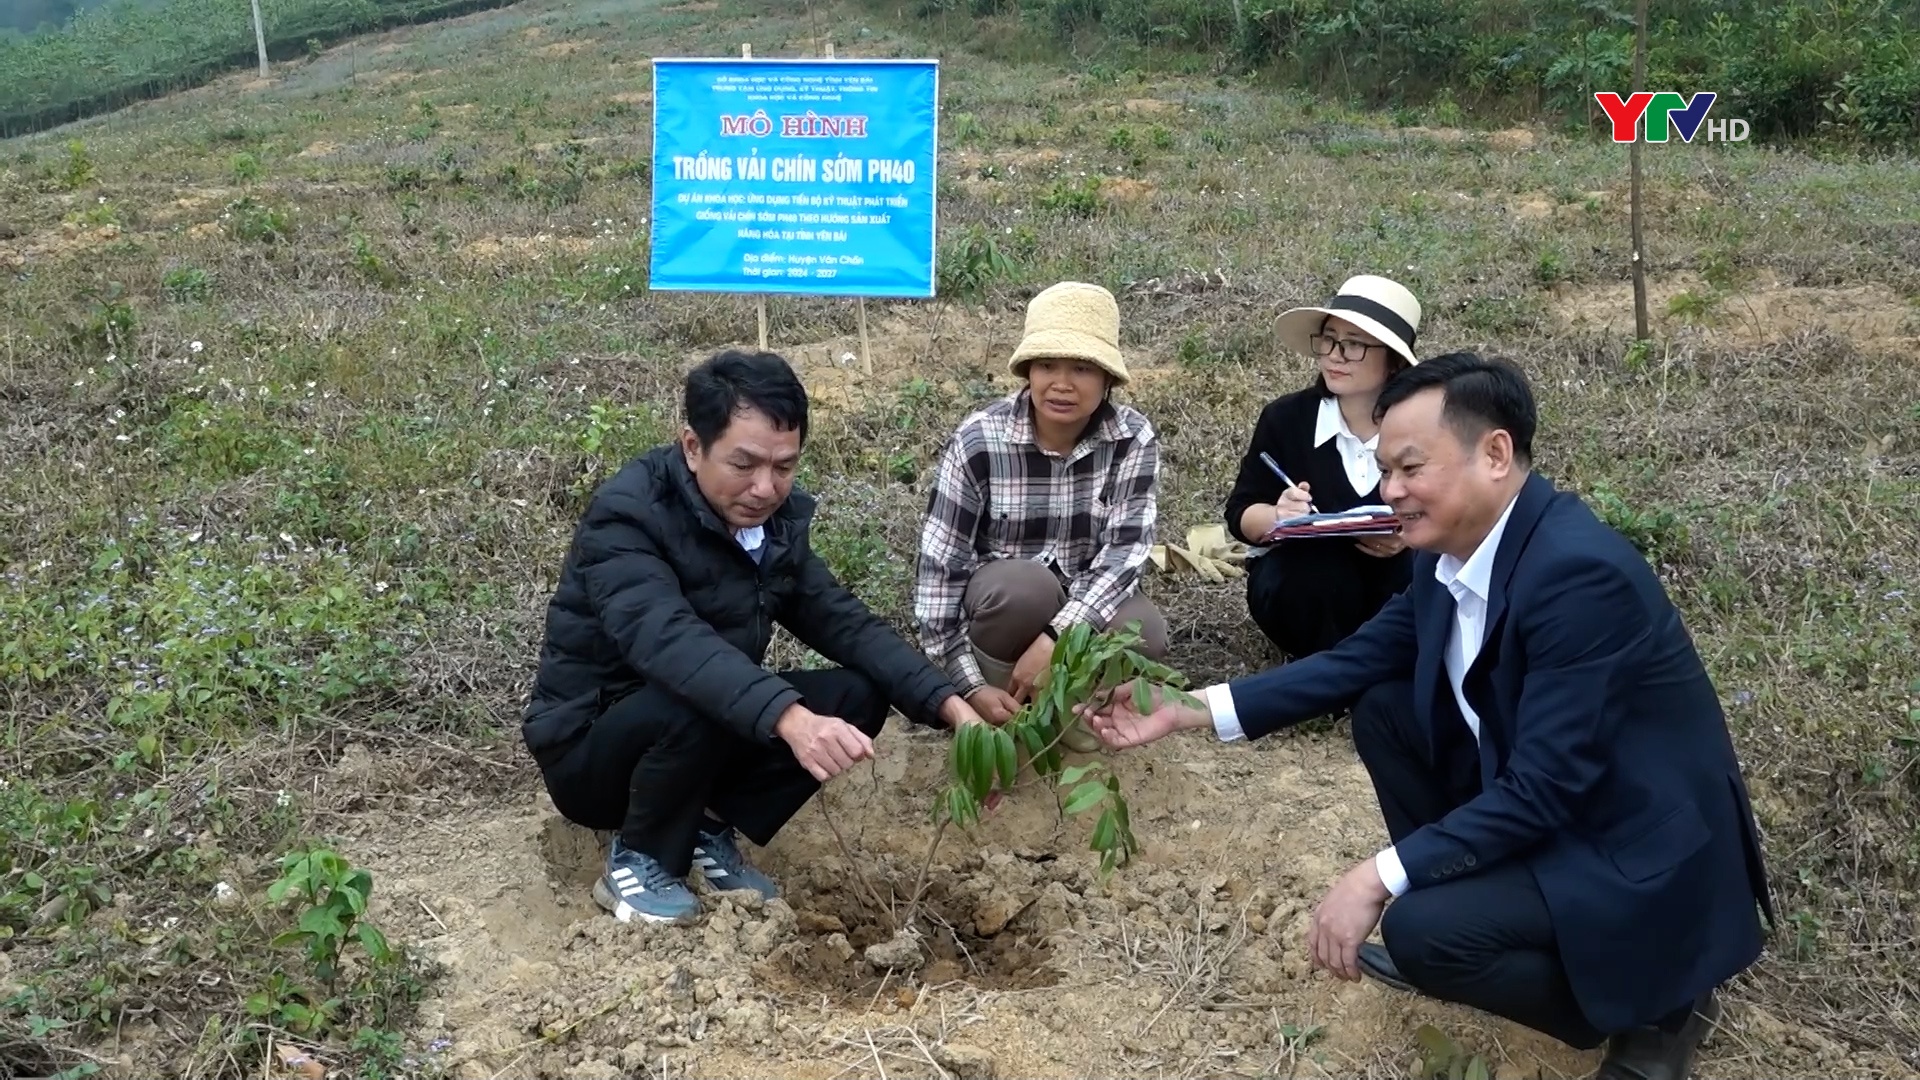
[1470, 582]
[750, 540]
[1363, 471]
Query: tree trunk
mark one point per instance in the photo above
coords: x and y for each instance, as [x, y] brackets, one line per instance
[1633, 166]
[260, 38]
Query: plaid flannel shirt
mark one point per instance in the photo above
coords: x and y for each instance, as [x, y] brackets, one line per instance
[996, 494]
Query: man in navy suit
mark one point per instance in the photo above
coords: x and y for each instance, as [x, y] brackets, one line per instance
[1572, 845]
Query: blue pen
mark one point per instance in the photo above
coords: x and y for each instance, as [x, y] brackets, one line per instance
[1284, 478]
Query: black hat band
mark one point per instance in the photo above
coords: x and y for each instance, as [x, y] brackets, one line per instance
[1379, 313]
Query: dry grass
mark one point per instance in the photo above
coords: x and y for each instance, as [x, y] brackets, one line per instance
[407, 380]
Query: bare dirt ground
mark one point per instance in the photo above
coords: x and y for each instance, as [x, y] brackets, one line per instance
[1181, 963]
[1190, 962]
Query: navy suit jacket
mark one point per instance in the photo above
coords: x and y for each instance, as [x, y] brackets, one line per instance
[1605, 762]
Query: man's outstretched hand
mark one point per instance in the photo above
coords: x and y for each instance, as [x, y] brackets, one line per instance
[825, 746]
[1346, 915]
[957, 711]
[993, 705]
[1119, 722]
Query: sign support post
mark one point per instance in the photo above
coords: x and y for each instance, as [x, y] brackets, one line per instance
[759, 299]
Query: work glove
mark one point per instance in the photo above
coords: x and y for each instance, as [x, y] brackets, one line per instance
[1208, 553]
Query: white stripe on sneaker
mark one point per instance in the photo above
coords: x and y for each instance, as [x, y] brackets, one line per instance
[626, 912]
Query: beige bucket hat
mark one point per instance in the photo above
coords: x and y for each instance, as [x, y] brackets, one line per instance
[1380, 306]
[1072, 321]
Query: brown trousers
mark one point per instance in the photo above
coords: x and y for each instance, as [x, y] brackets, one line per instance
[1009, 601]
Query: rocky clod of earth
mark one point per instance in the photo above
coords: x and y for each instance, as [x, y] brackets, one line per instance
[902, 952]
[648, 989]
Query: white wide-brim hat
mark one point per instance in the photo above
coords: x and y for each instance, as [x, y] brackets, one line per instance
[1380, 306]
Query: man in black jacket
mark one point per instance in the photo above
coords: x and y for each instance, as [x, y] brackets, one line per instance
[651, 714]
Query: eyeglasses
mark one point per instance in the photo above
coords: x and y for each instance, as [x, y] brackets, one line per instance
[1351, 351]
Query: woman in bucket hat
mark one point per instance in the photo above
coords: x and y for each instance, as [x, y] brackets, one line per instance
[1307, 595]
[1042, 512]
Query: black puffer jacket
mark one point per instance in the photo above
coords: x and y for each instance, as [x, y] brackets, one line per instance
[656, 590]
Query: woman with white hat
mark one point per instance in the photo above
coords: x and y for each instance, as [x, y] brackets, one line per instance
[1042, 512]
[1309, 594]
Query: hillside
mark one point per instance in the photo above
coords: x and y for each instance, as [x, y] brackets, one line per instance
[306, 381]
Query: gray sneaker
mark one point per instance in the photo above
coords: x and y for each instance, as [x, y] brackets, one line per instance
[718, 858]
[636, 886]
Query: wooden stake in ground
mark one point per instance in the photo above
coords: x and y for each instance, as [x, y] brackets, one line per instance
[1640, 331]
[866, 354]
[760, 301]
[260, 38]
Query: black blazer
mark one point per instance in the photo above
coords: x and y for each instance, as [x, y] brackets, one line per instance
[1605, 762]
[1285, 431]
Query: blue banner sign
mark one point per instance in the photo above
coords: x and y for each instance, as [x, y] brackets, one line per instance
[794, 176]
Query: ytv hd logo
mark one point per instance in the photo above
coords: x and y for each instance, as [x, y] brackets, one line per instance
[1667, 109]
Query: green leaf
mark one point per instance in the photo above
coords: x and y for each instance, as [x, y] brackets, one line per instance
[297, 1017]
[1103, 833]
[148, 746]
[1074, 774]
[1439, 1049]
[322, 922]
[1086, 796]
[1085, 637]
[1142, 697]
[1125, 818]
[1477, 1068]
[1079, 690]
[981, 758]
[1031, 738]
[961, 808]
[375, 942]
[1040, 712]
[1009, 760]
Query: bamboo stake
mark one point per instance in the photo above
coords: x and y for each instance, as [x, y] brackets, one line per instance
[760, 299]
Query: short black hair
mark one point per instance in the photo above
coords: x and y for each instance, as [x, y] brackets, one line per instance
[1479, 394]
[731, 381]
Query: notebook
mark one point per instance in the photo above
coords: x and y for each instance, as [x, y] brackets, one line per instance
[1359, 521]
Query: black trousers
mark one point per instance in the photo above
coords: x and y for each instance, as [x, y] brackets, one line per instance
[1309, 595]
[652, 764]
[1486, 940]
